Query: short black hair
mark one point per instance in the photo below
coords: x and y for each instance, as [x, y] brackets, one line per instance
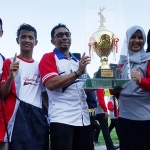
[60, 25]
[1, 23]
[26, 27]
[148, 41]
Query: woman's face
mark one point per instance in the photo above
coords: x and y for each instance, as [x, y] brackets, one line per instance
[136, 41]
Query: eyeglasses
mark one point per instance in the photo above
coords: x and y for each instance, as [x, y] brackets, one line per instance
[61, 34]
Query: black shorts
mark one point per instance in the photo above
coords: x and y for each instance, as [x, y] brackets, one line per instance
[31, 129]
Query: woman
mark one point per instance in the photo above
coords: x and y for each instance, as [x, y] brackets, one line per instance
[134, 99]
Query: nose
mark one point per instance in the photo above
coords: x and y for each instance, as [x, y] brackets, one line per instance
[64, 36]
[27, 39]
[137, 39]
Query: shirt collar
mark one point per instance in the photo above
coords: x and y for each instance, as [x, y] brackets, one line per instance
[62, 56]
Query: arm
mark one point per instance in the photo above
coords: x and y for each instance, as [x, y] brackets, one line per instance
[10, 70]
[144, 83]
[52, 80]
[100, 96]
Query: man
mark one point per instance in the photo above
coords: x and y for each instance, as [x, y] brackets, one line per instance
[3, 145]
[1, 56]
[62, 76]
[27, 127]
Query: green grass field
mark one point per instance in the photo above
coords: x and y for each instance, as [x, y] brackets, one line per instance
[113, 137]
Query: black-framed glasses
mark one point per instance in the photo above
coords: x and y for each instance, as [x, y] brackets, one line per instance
[61, 34]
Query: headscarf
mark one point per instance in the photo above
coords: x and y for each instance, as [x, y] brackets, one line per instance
[128, 57]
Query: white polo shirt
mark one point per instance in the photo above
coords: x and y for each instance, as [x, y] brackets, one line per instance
[68, 104]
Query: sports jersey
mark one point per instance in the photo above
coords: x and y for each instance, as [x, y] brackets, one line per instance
[67, 104]
[26, 86]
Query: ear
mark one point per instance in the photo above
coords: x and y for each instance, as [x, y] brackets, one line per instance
[17, 40]
[1, 33]
[36, 41]
[53, 41]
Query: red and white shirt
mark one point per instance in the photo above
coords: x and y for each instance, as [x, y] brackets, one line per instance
[26, 86]
[68, 104]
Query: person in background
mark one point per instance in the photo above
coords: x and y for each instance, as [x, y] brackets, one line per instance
[148, 41]
[113, 108]
[63, 76]
[102, 117]
[3, 143]
[2, 58]
[134, 98]
[21, 89]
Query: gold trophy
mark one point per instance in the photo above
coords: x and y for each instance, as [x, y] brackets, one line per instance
[104, 42]
[103, 47]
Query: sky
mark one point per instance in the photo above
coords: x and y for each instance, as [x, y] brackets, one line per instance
[80, 16]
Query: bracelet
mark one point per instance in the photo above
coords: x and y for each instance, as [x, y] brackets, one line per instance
[76, 74]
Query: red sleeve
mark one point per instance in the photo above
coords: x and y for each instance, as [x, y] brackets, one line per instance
[100, 96]
[5, 73]
[47, 67]
[145, 82]
[110, 106]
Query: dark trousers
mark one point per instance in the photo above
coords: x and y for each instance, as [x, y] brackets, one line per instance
[114, 124]
[67, 137]
[105, 130]
[134, 135]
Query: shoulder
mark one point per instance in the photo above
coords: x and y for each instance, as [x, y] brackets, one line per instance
[49, 55]
[47, 58]
[8, 60]
[3, 58]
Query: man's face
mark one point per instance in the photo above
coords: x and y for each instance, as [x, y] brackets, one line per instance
[136, 41]
[26, 40]
[1, 31]
[62, 39]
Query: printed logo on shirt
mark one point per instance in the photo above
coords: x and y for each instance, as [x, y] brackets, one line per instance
[32, 81]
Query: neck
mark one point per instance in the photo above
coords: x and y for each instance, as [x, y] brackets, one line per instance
[26, 55]
[66, 53]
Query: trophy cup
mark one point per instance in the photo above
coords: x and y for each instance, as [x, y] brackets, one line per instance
[103, 47]
[103, 43]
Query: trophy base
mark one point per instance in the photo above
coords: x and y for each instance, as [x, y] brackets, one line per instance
[105, 73]
[96, 83]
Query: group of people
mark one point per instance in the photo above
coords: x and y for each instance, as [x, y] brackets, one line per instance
[57, 81]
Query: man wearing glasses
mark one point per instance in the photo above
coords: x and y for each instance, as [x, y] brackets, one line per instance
[61, 74]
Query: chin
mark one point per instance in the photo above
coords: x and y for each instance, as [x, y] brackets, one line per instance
[65, 48]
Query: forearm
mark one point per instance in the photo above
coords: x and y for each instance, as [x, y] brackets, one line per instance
[5, 89]
[60, 81]
[145, 84]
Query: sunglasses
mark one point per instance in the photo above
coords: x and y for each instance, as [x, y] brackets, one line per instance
[61, 34]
